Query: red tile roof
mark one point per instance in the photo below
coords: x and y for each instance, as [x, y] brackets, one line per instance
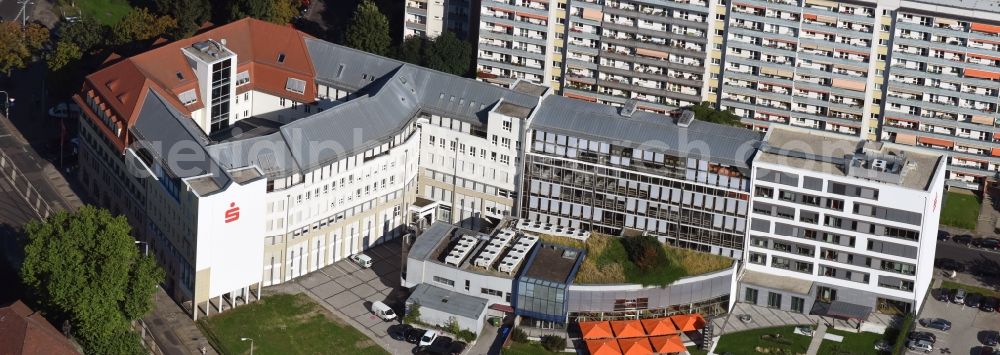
[23, 331]
[122, 85]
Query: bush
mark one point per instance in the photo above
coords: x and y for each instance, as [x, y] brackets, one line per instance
[412, 314]
[466, 335]
[519, 335]
[554, 343]
[899, 347]
[645, 252]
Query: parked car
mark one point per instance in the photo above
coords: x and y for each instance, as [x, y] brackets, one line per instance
[990, 243]
[440, 345]
[973, 300]
[457, 348]
[986, 350]
[989, 304]
[991, 338]
[413, 336]
[926, 336]
[399, 331]
[944, 294]
[920, 345]
[362, 260]
[936, 323]
[383, 311]
[428, 338]
[958, 297]
[963, 239]
[943, 235]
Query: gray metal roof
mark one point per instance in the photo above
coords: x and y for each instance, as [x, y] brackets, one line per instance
[347, 68]
[708, 141]
[175, 140]
[269, 152]
[451, 302]
[427, 242]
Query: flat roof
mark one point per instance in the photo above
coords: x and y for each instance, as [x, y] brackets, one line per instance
[552, 262]
[245, 175]
[783, 283]
[451, 302]
[509, 109]
[529, 88]
[830, 153]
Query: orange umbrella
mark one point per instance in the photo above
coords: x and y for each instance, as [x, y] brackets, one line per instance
[635, 346]
[603, 347]
[667, 344]
[627, 328]
[659, 326]
[688, 322]
[595, 330]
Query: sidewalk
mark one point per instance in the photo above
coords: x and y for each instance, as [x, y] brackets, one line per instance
[175, 332]
[817, 339]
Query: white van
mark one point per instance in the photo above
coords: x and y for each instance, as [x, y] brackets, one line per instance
[383, 311]
[362, 260]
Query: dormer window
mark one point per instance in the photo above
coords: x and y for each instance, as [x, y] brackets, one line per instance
[281, 57]
[295, 85]
[180, 76]
[242, 77]
[188, 97]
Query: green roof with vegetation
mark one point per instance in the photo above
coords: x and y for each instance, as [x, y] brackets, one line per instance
[609, 260]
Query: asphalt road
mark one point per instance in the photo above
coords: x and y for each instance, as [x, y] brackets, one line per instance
[10, 8]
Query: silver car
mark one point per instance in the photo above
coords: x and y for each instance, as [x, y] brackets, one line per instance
[959, 297]
[920, 345]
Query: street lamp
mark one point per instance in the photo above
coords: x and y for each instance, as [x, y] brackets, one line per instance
[146, 247]
[251, 344]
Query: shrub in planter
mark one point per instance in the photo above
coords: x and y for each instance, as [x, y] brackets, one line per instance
[554, 343]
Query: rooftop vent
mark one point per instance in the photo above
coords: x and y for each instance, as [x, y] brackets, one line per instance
[880, 165]
[628, 108]
[686, 117]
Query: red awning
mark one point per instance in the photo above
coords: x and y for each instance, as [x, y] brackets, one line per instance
[502, 308]
[982, 74]
[936, 142]
[579, 97]
[982, 27]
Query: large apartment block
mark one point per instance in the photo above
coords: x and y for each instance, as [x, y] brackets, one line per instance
[429, 18]
[840, 224]
[517, 41]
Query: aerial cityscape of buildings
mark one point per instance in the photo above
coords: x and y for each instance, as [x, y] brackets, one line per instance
[252, 154]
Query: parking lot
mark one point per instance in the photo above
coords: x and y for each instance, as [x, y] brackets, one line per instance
[348, 290]
[968, 326]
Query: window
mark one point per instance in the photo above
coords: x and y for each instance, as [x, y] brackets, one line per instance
[281, 57]
[444, 281]
[773, 300]
[188, 97]
[750, 295]
[507, 126]
[758, 258]
[297, 86]
[242, 77]
[798, 304]
[491, 292]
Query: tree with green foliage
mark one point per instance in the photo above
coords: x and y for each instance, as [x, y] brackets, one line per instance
[369, 29]
[553, 343]
[411, 50]
[705, 112]
[84, 267]
[190, 15]
[276, 11]
[412, 314]
[449, 54]
[899, 346]
[86, 34]
[141, 25]
[65, 53]
[18, 46]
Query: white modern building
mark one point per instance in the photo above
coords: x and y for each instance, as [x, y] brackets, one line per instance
[841, 226]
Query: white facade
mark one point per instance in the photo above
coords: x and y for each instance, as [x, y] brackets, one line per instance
[808, 232]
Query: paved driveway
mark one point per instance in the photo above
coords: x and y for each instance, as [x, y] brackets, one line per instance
[967, 325]
[348, 291]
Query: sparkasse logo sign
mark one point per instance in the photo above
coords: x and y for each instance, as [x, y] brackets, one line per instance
[233, 213]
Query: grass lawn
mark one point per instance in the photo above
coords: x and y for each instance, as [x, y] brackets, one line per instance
[695, 351]
[607, 262]
[960, 210]
[980, 290]
[526, 349]
[107, 12]
[285, 324]
[854, 343]
[747, 341]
